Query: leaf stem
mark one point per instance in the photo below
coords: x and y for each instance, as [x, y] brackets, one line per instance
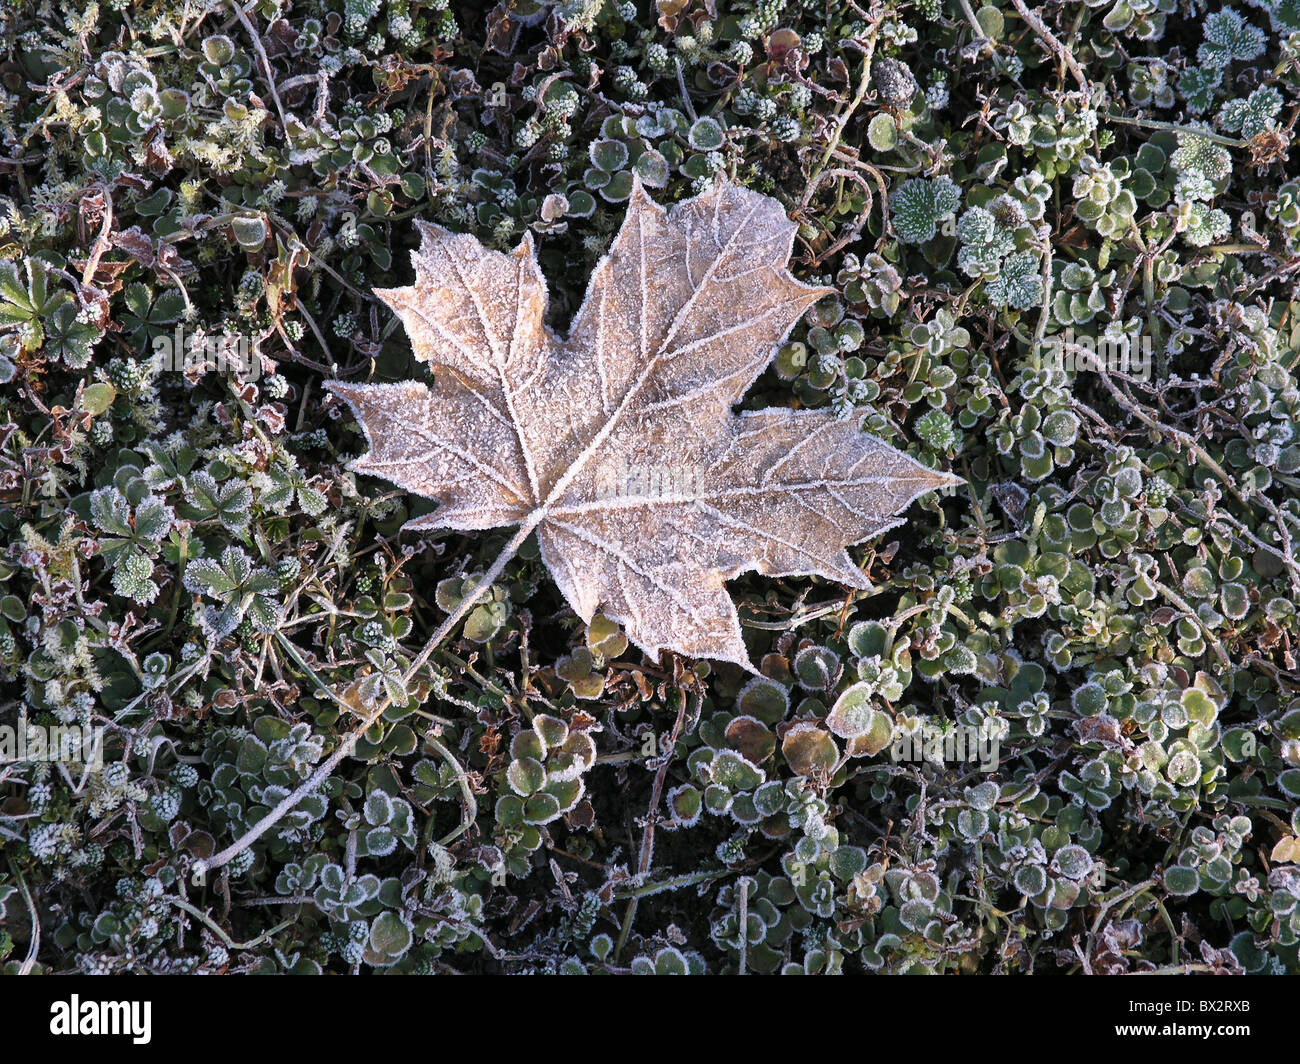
[215, 928]
[1053, 44]
[470, 812]
[34, 940]
[349, 741]
[1173, 127]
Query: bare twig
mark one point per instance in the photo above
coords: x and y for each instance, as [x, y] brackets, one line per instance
[743, 920]
[226, 940]
[842, 121]
[266, 63]
[34, 943]
[652, 817]
[1053, 43]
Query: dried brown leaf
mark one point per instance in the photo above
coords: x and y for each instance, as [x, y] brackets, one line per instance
[618, 444]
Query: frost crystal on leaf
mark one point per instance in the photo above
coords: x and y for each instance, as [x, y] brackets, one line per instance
[1197, 154]
[618, 444]
[917, 206]
[984, 243]
[1253, 115]
[1230, 37]
[1283, 14]
[1205, 225]
[1019, 284]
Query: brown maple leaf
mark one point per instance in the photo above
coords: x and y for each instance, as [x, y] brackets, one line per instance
[618, 444]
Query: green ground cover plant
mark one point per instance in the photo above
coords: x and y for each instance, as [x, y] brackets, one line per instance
[1060, 245]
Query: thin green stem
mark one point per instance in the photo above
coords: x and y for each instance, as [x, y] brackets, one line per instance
[215, 928]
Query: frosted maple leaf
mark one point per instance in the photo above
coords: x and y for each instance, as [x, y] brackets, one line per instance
[618, 444]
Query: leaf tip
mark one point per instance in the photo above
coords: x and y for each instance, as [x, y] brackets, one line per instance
[525, 248]
[430, 232]
[393, 298]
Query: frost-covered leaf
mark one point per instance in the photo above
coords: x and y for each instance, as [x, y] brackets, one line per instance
[132, 577]
[984, 243]
[918, 205]
[1205, 225]
[1197, 154]
[218, 579]
[855, 717]
[110, 511]
[1253, 115]
[1228, 38]
[242, 590]
[229, 503]
[1283, 14]
[1019, 284]
[618, 443]
[69, 339]
[153, 518]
